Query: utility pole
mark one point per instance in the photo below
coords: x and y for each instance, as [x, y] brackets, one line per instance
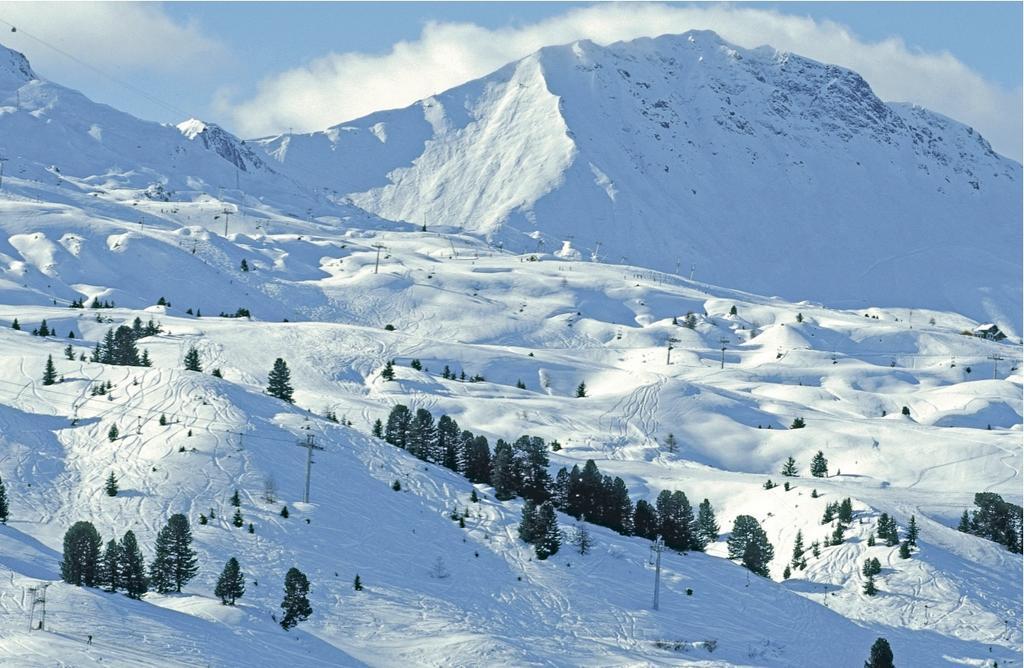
[2, 161]
[227, 212]
[668, 356]
[376, 265]
[995, 363]
[723, 342]
[310, 445]
[693, 268]
[657, 548]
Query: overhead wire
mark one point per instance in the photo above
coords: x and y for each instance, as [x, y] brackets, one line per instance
[129, 86]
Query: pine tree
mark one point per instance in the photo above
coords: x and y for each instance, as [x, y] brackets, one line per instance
[550, 538]
[416, 364]
[192, 362]
[244, 266]
[502, 472]
[581, 390]
[786, 572]
[389, 371]
[819, 465]
[16, 325]
[81, 563]
[49, 372]
[671, 444]
[528, 531]
[798, 549]
[816, 549]
[869, 586]
[4, 506]
[231, 583]
[237, 519]
[798, 423]
[296, 602]
[881, 655]
[706, 530]
[871, 539]
[749, 543]
[357, 584]
[905, 550]
[236, 501]
[520, 384]
[732, 311]
[912, 531]
[279, 381]
[422, 435]
[396, 432]
[645, 520]
[113, 433]
[110, 567]
[175, 561]
[133, 567]
[163, 420]
[581, 538]
[44, 330]
[965, 523]
[845, 513]
[789, 468]
[755, 558]
[378, 428]
[111, 485]
[284, 512]
[69, 352]
[838, 535]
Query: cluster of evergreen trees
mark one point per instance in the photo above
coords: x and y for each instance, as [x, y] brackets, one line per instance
[520, 469]
[121, 565]
[119, 346]
[995, 519]
[95, 303]
[749, 543]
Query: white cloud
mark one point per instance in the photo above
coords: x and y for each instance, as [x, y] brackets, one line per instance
[339, 87]
[119, 37]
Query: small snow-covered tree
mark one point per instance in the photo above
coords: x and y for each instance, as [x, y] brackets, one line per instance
[819, 465]
[192, 362]
[581, 538]
[49, 372]
[5, 508]
[111, 487]
[296, 599]
[231, 583]
[279, 381]
[789, 468]
[881, 655]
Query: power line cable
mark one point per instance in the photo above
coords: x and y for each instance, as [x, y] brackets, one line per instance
[129, 86]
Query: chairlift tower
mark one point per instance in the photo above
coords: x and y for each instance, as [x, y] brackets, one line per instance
[38, 594]
[723, 342]
[310, 445]
[656, 549]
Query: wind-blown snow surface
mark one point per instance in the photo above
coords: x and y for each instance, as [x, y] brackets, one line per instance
[766, 170]
[454, 300]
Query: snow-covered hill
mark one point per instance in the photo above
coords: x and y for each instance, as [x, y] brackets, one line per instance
[763, 170]
[324, 282]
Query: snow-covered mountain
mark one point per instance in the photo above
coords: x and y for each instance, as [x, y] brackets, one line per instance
[763, 170]
[914, 416]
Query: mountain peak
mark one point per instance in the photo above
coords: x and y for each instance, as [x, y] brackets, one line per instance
[14, 69]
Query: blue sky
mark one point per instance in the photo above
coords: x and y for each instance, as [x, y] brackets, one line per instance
[260, 68]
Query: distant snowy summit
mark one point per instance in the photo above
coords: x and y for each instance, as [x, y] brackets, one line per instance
[751, 168]
[763, 169]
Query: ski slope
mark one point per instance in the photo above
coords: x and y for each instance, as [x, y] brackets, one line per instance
[325, 281]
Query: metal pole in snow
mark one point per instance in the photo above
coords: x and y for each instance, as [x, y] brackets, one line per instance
[658, 547]
[310, 446]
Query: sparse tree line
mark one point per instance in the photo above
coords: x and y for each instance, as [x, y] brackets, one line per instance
[995, 519]
[520, 469]
[120, 566]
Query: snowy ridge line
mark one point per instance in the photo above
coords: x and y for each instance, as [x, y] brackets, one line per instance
[135, 412]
